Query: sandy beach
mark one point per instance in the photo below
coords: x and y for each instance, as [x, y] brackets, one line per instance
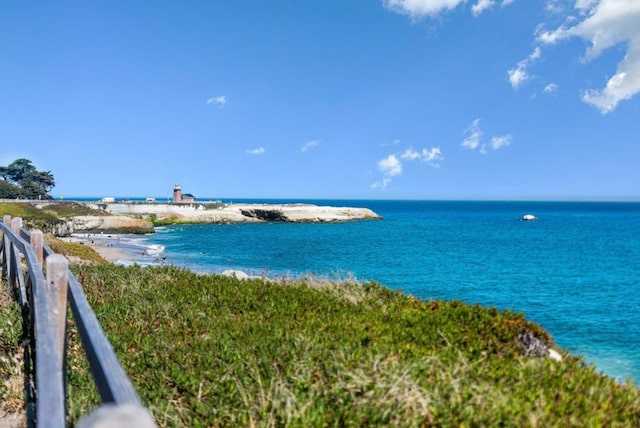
[111, 235]
[118, 249]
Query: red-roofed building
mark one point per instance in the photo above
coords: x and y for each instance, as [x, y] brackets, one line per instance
[182, 198]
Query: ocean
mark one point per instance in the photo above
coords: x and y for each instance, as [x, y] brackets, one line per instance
[575, 271]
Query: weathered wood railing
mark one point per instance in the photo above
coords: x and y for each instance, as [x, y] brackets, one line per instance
[43, 299]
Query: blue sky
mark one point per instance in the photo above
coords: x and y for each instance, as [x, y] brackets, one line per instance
[367, 99]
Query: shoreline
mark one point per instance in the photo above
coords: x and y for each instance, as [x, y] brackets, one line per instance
[120, 249]
[140, 218]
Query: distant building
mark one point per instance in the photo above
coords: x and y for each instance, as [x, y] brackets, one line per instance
[182, 198]
[108, 199]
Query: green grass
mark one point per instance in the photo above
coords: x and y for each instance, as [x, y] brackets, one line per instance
[28, 212]
[70, 209]
[165, 221]
[74, 251]
[207, 350]
[11, 380]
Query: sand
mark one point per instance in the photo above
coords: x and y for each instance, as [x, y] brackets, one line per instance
[107, 246]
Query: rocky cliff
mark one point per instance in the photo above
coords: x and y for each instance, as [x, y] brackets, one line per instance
[104, 224]
[243, 213]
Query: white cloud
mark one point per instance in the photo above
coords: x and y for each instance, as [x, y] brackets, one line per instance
[309, 145]
[585, 4]
[257, 151]
[417, 9]
[607, 23]
[501, 141]
[219, 101]
[421, 8]
[473, 139]
[602, 23]
[392, 166]
[551, 88]
[553, 6]
[550, 37]
[432, 156]
[481, 6]
[410, 154]
[518, 75]
[473, 135]
[381, 184]
[536, 54]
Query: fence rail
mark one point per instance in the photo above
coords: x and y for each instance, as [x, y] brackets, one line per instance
[43, 300]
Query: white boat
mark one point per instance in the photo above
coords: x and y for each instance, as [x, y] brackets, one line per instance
[529, 217]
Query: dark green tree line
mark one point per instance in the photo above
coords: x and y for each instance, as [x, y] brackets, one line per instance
[20, 179]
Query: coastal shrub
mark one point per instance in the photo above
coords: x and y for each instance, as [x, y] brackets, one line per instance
[132, 230]
[11, 379]
[75, 252]
[166, 220]
[70, 209]
[45, 215]
[32, 217]
[210, 350]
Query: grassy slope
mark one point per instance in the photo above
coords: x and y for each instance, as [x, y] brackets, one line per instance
[75, 252]
[51, 212]
[215, 351]
[44, 218]
[11, 351]
[11, 380]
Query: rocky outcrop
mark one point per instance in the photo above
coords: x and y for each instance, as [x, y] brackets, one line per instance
[133, 217]
[304, 213]
[137, 217]
[104, 224]
[242, 213]
[266, 215]
[534, 346]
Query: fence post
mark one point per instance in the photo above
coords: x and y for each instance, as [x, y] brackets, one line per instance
[6, 261]
[16, 224]
[117, 416]
[37, 240]
[57, 286]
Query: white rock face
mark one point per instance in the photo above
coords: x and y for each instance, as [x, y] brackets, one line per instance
[108, 222]
[237, 274]
[246, 213]
[554, 355]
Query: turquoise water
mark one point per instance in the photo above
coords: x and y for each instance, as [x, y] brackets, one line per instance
[575, 271]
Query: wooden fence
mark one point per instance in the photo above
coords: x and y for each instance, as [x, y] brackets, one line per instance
[43, 296]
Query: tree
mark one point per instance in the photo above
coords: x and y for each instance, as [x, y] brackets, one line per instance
[19, 169]
[21, 179]
[9, 190]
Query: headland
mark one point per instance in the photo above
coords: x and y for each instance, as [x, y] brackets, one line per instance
[132, 217]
